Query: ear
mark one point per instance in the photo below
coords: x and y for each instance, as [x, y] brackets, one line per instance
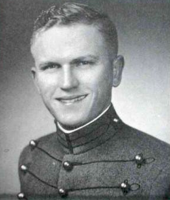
[118, 65]
[34, 77]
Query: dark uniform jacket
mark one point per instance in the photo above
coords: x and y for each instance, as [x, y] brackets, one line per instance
[105, 160]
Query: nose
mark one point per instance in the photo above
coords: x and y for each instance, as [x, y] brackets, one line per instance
[69, 79]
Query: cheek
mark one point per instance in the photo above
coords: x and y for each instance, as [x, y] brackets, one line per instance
[46, 84]
[103, 79]
[99, 84]
[104, 87]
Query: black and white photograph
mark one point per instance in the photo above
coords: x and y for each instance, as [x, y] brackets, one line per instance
[85, 99]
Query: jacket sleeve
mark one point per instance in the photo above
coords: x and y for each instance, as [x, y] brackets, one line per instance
[161, 186]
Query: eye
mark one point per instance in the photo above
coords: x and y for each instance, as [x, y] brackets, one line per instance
[51, 66]
[84, 62]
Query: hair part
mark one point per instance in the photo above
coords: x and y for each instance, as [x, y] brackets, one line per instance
[74, 13]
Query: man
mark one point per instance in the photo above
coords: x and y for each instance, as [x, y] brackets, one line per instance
[93, 154]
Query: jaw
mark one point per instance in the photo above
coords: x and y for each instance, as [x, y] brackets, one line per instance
[71, 112]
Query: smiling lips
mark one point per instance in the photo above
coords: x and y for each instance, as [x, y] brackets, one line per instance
[71, 99]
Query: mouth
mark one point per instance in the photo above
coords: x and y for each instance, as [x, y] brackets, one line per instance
[71, 99]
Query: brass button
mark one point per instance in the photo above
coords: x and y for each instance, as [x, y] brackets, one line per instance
[125, 187]
[23, 168]
[139, 160]
[21, 195]
[116, 120]
[62, 192]
[33, 143]
[68, 166]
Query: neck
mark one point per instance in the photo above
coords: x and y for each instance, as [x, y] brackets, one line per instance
[76, 129]
[90, 135]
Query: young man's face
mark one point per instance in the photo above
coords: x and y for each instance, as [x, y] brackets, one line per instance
[73, 73]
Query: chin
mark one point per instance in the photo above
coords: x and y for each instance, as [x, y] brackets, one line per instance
[71, 121]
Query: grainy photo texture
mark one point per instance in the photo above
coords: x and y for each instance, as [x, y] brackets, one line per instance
[85, 99]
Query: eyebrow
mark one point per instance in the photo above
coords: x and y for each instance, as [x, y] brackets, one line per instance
[94, 58]
[42, 65]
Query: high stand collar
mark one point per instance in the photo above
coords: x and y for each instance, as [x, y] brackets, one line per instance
[92, 135]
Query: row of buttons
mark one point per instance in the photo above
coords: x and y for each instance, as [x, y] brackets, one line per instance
[139, 159]
[68, 166]
[62, 193]
[124, 186]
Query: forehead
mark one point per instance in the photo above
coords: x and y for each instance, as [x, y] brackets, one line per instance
[65, 41]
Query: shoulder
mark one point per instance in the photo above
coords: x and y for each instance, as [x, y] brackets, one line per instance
[45, 142]
[145, 140]
[141, 142]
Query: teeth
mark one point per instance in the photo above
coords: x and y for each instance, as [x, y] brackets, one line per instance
[72, 100]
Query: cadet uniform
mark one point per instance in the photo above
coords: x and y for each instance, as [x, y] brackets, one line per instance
[103, 160]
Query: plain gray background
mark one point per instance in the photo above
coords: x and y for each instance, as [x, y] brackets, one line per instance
[142, 99]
